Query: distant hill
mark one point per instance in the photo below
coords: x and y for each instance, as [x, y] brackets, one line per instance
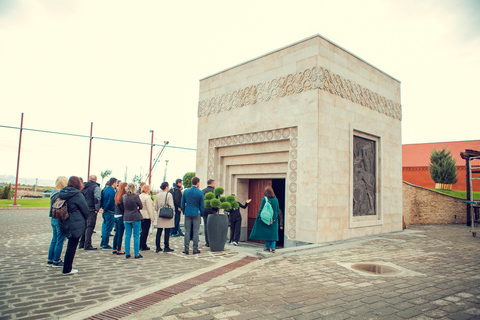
[28, 181]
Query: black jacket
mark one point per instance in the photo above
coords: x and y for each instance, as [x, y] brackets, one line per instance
[74, 226]
[209, 210]
[234, 214]
[177, 196]
[88, 192]
[119, 209]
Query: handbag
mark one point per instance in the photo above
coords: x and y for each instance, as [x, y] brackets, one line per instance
[166, 212]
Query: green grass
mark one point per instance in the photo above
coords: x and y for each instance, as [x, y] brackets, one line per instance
[459, 194]
[28, 203]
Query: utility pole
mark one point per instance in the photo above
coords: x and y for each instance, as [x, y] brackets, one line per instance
[18, 162]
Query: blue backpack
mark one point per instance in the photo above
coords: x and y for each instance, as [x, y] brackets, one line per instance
[267, 213]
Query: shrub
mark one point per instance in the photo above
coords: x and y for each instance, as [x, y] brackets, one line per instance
[215, 203]
[7, 190]
[218, 191]
[209, 196]
[222, 199]
[207, 204]
[443, 167]
[231, 199]
[226, 206]
[187, 179]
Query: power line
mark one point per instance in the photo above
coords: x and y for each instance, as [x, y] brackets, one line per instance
[100, 138]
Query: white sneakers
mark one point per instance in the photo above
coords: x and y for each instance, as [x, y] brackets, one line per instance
[234, 243]
[73, 271]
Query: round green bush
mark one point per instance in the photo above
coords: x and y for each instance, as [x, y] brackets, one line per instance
[226, 206]
[218, 191]
[207, 204]
[235, 205]
[231, 199]
[209, 196]
[215, 203]
[223, 199]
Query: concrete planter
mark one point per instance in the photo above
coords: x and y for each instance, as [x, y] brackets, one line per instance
[217, 228]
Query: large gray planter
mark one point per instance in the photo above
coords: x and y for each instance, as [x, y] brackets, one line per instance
[217, 227]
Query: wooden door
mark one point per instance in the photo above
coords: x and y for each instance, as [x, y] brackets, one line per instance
[256, 190]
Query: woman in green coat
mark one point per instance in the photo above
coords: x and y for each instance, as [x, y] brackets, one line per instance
[262, 231]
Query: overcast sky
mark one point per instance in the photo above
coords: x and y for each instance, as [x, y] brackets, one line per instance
[134, 66]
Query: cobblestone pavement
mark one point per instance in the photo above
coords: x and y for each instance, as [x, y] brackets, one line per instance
[438, 278]
[29, 289]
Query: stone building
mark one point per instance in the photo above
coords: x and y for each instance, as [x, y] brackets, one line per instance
[317, 123]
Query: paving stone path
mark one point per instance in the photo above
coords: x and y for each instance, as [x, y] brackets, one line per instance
[438, 278]
[30, 290]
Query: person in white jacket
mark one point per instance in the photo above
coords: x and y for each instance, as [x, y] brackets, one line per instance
[148, 216]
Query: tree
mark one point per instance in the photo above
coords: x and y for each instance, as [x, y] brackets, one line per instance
[7, 190]
[137, 179]
[105, 174]
[187, 179]
[443, 167]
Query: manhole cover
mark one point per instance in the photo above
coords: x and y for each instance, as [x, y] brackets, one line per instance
[374, 268]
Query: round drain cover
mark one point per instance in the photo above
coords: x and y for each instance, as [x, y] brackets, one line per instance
[374, 268]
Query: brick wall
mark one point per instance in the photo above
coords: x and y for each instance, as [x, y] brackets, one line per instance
[424, 206]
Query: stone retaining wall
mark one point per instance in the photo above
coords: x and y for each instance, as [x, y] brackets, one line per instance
[424, 206]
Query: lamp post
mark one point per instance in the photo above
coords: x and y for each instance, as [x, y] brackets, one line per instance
[165, 174]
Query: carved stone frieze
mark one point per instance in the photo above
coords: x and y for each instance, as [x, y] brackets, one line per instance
[266, 136]
[309, 79]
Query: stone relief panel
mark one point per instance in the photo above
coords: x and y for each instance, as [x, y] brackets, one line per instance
[266, 136]
[309, 79]
[364, 177]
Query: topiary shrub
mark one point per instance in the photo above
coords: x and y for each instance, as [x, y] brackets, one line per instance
[222, 199]
[443, 167]
[207, 204]
[187, 179]
[218, 191]
[226, 206]
[209, 196]
[215, 203]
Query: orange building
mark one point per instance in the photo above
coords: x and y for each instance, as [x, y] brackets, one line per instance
[416, 158]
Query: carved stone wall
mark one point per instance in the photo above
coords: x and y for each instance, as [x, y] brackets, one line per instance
[309, 79]
[264, 137]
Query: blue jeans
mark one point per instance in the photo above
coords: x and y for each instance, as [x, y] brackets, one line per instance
[119, 229]
[270, 245]
[135, 226]
[176, 229]
[107, 227]
[56, 246]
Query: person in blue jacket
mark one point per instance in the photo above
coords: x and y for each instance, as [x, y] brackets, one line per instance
[193, 206]
[108, 208]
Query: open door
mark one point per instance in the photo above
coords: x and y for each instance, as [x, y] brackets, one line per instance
[256, 189]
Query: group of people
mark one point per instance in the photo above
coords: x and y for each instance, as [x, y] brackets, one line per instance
[131, 212]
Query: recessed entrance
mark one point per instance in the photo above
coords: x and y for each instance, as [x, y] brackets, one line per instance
[374, 268]
[256, 189]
